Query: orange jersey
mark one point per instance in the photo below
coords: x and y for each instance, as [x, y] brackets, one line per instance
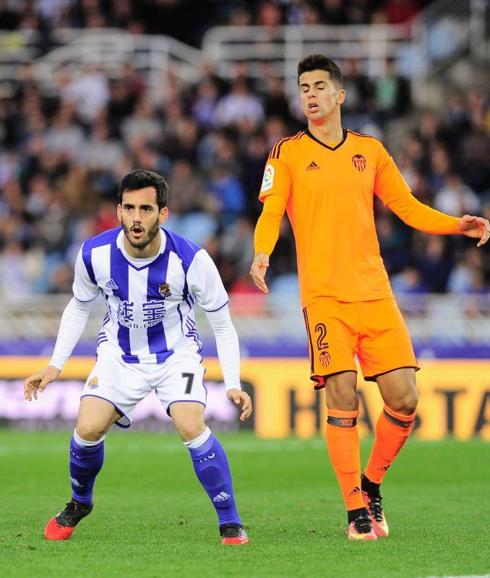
[328, 194]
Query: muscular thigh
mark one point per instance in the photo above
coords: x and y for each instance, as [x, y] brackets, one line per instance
[398, 390]
[384, 341]
[95, 417]
[332, 340]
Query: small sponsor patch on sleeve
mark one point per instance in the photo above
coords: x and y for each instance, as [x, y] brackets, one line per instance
[268, 180]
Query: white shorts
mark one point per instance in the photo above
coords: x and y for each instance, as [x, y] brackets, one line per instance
[179, 378]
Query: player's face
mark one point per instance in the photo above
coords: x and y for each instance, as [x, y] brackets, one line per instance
[140, 217]
[320, 97]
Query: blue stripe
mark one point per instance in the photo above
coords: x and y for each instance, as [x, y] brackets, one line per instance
[185, 249]
[181, 319]
[120, 274]
[87, 259]
[157, 274]
[192, 332]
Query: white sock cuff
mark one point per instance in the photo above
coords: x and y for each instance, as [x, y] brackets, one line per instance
[85, 443]
[199, 441]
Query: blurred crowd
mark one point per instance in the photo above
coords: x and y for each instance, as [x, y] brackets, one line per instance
[64, 148]
[188, 20]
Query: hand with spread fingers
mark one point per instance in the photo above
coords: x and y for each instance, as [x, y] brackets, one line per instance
[37, 382]
[258, 270]
[241, 399]
[475, 227]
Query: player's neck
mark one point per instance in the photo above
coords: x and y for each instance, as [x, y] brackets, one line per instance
[327, 131]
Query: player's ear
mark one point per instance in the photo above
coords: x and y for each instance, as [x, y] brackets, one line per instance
[119, 212]
[163, 215]
[340, 96]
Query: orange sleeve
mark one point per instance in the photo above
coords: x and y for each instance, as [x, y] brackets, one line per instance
[392, 189]
[267, 228]
[274, 193]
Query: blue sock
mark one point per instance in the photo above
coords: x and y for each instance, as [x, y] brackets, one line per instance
[85, 463]
[212, 469]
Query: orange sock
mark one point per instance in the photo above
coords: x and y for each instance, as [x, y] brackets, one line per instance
[392, 431]
[344, 451]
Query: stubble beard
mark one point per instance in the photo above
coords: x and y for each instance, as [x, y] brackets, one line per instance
[145, 240]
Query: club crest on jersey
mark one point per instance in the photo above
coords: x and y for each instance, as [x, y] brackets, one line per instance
[325, 358]
[93, 383]
[359, 161]
[164, 290]
[268, 180]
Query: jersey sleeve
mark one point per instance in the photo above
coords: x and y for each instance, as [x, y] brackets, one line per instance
[277, 177]
[392, 189]
[389, 184]
[84, 289]
[205, 283]
[274, 193]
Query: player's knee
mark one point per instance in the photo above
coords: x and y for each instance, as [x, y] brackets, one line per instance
[405, 405]
[341, 397]
[90, 432]
[189, 429]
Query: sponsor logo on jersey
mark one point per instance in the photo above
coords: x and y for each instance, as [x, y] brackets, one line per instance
[359, 161]
[312, 166]
[151, 313]
[268, 180]
[111, 284]
[164, 290]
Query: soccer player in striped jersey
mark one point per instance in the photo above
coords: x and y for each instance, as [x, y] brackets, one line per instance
[326, 179]
[151, 280]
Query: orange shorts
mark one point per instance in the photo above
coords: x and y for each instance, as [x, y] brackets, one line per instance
[375, 331]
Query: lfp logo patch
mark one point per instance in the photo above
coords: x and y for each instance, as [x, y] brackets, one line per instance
[268, 180]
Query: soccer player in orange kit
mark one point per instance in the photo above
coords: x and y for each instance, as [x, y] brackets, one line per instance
[326, 178]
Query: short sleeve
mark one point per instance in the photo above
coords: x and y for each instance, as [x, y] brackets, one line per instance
[84, 289]
[204, 282]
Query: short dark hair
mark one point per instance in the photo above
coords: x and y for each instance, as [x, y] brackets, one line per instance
[320, 62]
[142, 178]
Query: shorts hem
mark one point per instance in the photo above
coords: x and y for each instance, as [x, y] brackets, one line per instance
[320, 379]
[376, 375]
[183, 401]
[123, 415]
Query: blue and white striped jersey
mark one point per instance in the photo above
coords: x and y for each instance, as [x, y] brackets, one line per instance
[150, 302]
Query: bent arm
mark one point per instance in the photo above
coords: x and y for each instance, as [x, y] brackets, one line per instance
[227, 346]
[73, 322]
